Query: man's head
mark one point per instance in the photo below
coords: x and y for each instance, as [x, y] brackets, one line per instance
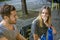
[9, 13]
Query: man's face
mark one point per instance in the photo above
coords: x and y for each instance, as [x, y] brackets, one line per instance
[13, 17]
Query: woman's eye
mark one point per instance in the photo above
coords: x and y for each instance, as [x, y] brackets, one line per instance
[47, 13]
[42, 12]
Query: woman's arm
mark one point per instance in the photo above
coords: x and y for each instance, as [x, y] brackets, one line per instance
[54, 30]
[35, 36]
[34, 30]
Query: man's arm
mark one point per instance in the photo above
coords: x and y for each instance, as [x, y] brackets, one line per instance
[3, 38]
[20, 37]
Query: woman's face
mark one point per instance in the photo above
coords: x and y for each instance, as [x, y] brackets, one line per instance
[45, 14]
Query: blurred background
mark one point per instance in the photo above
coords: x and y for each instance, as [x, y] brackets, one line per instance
[28, 10]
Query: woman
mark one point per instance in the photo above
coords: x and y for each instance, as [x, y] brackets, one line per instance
[41, 24]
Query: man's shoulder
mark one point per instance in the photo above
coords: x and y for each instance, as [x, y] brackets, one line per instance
[1, 25]
[1, 30]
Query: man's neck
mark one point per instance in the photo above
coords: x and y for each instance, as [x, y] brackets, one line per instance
[7, 24]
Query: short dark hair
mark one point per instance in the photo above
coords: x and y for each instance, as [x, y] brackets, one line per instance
[6, 10]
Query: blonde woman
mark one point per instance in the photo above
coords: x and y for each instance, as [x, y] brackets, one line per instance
[41, 24]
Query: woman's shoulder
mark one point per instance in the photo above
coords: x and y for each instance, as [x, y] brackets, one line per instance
[35, 20]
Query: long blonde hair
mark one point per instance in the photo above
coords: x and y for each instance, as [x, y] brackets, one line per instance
[40, 18]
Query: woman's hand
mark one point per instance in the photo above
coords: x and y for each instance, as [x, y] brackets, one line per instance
[45, 19]
[54, 30]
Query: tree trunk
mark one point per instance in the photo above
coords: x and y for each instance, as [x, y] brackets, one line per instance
[24, 7]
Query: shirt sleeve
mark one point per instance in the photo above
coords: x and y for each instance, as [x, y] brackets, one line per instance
[0, 18]
[33, 27]
[1, 34]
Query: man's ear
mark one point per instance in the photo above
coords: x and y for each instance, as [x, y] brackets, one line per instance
[5, 17]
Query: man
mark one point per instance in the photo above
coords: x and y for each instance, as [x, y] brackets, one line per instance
[0, 14]
[7, 29]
